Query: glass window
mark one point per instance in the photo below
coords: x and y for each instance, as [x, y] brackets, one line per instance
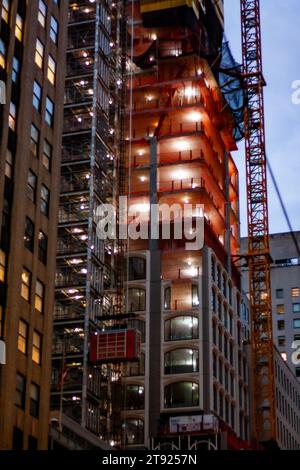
[280, 309]
[133, 431]
[29, 234]
[45, 197]
[19, 27]
[140, 325]
[43, 246]
[47, 155]
[36, 347]
[295, 292]
[5, 10]
[53, 29]
[15, 70]
[37, 95]
[134, 397]
[181, 395]
[42, 13]
[23, 337]
[281, 340]
[51, 71]
[39, 53]
[34, 139]
[20, 391]
[181, 328]
[34, 400]
[12, 116]
[182, 361]
[39, 296]
[167, 298]
[137, 268]
[279, 293]
[280, 325]
[1, 321]
[195, 295]
[26, 284]
[2, 266]
[31, 186]
[296, 323]
[296, 308]
[136, 299]
[2, 54]
[49, 112]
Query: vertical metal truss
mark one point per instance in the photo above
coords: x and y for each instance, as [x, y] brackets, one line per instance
[87, 181]
[258, 226]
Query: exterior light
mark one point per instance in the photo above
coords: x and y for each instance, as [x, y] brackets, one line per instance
[194, 116]
[143, 179]
[189, 92]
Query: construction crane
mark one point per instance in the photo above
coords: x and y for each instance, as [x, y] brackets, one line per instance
[258, 255]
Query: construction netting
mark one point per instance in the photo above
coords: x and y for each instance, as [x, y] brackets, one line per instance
[230, 80]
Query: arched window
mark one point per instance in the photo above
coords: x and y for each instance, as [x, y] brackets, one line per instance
[181, 395]
[195, 295]
[182, 361]
[134, 431]
[136, 299]
[134, 397]
[136, 268]
[167, 298]
[181, 328]
[140, 325]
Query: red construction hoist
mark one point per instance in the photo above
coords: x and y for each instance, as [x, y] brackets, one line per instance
[258, 255]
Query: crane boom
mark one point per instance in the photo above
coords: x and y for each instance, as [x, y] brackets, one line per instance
[258, 255]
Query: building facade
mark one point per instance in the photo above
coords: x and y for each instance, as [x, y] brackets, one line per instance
[191, 385]
[285, 284]
[32, 43]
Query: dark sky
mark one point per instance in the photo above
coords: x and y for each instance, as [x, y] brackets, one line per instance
[280, 21]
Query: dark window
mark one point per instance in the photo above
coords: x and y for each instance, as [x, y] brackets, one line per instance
[43, 245]
[134, 397]
[296, 308]
[20, 391]
[181, 395]
[140, 325]
[17, 439]
[45, 197]
[280, 325]
[137, 268]
[281, 340]
[34, 400]
[34, 139]
[31, 186]
[279, 293]
[15, 70]
[29, 234]
[133, 431]
[297, 371]
[182, 361]
[296, 323]
[32, 443]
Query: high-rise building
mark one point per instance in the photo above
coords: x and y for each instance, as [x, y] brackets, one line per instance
[191, 383]
[81, 391]
[285, 283]
[32, 46]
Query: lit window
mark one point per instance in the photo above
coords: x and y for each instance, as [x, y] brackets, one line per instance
[167, 298]
[51, 70]
[39, 53]
[34, 400]
[5, 10]
[296, 323]
[39, 296]
[295, 292]
[49, 112]
[34, 139]
[31, 186]
[15, 70]
[53, 29]
[136, 299]
[23, 337]
[29, 234]
[195, 295]
[181, 361]
[2, 54]
[36, 347]
[26, 284]
[20, 391]
[279, 293]
[134, 397]
[296, 308]
[47, 155]
[12, 116]
[181, 328]
[8, 164]
[2, 265]
[43, 245]
[42, 13]
[280, 309]
[37, 95]
[45, 197]
[19, 27]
